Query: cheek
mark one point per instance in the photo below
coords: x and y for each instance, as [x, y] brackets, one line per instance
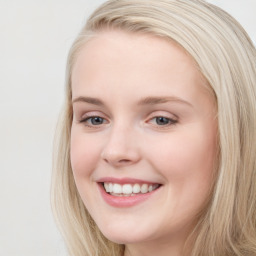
[186, 159]
[190, 170]
[84, 154]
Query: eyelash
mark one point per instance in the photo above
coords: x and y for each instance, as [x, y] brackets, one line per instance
[88, 121]
[169, 120]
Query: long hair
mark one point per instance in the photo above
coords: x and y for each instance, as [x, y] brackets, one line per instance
[226, 57]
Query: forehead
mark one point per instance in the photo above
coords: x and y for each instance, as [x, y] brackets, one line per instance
[116, 59]
[124, 47]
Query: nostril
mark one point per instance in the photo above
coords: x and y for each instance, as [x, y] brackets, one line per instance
[117, 162]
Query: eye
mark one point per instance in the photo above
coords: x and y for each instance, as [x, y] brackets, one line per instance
[163, 121]
[94, 121]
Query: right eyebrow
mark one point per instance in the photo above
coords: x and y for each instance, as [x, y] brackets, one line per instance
[89, 100]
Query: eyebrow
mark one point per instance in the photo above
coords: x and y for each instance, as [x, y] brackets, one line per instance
[161, 100]
[90, 100]
[144, 101]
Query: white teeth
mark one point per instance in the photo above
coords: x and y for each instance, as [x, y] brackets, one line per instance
[128, 189]
[106, 186]
[110, 187]
[117, 188]
[136, 188]
[144, 188]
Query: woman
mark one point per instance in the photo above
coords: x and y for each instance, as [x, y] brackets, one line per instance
[156, 149]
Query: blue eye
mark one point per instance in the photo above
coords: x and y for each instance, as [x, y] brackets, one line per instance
[93, 120]
[164, 121]
[96, 120]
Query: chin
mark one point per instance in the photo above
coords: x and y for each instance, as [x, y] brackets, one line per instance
[124, 236]
[124, 239]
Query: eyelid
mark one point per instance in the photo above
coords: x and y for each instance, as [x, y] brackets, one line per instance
[93, 114]
[173, 121]
[87, 116]
[163, 114]
[171, 117]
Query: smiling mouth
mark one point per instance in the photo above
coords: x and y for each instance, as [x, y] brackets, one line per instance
[124, 190]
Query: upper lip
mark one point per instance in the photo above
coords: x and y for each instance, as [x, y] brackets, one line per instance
[125, 180]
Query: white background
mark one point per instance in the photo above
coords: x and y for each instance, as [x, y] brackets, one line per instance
[35, 36]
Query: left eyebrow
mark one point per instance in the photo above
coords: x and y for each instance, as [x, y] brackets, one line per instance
[161, 100]
[90, 100]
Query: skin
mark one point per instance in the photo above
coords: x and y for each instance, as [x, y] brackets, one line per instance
[121, 69]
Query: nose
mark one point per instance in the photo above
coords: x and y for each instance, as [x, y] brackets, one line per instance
[121, 148]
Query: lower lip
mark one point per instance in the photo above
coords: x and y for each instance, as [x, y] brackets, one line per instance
[125, 201]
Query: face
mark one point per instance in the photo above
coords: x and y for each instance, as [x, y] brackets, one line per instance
[144, 127]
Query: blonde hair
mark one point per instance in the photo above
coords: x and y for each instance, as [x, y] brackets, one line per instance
[227, 59]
